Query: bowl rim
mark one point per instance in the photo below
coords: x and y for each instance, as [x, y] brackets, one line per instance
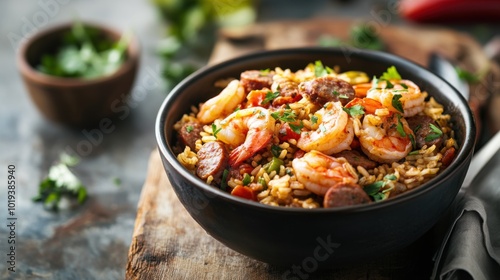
[133, 55]
[461, 158]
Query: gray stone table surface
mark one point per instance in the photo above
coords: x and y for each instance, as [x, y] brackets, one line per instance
[92, 241]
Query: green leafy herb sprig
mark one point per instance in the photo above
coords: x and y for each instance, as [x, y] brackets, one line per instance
[85, 53]
[191, 26]
[377, 189]
[60, 182]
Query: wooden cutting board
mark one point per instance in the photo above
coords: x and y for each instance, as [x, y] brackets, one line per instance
[168, 244]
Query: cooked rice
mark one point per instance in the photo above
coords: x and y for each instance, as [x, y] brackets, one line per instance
[281, 188]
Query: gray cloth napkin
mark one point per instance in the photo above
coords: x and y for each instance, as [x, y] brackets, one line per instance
[471, 249]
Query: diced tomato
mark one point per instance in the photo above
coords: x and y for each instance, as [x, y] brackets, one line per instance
[282, 100]
[286, 133]
[255, 98]
[245, 168]
[244, 192]
[448, 156]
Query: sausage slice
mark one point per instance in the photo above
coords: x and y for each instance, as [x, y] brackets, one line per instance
[213, 158]
[344, 194]
[325, 89]
[356, 158]
[255, 79]
[189, 133]
[421, 126]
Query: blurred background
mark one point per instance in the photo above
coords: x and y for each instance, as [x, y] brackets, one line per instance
[176, 38]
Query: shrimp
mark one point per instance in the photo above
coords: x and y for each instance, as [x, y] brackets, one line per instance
[223, 104]
[319, 172]
[334, 134]
[386, 138]
[410, 96]
[247, 131]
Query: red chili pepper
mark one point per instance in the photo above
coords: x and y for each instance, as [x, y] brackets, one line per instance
[449, 10]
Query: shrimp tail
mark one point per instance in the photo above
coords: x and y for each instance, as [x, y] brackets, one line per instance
[244, 152]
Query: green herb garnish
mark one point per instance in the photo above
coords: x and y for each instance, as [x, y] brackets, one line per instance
[285, 116]
[215, 130]
[296, 127]
[270, 96]
[436, 133]
[223, 183]
[84, 53]
[396, 103]
[264, 72]
[377, 189]
[412, 140]
[390, 74]
[400, 128]
[314, 119]
[354, 111]
[276, 150]
[320, 70]
[60, 182]
[189, 128]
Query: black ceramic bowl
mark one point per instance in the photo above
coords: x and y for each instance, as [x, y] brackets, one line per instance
[314, 237]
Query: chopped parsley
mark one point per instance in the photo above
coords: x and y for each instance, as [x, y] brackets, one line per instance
[320, 70]
[354, 111]
[276, 150]
[296, 127]
[61, 182]
[413, 142]
[189, 128]
[396, 103]
[376, 189]
[390, 74]
[436, 133]
[264, 72]
[404, 86]
[270, 96]
[389, 84]
[285, 116]
[314, 119]
[400, 128]
[215, 130]
[223, 183]
[336, 93]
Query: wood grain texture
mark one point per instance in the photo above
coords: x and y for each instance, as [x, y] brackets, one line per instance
[168, 244]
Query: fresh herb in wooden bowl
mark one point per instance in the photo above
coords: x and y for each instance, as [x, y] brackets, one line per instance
[85, 53]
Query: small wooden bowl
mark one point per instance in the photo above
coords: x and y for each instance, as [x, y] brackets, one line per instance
[75, 101]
